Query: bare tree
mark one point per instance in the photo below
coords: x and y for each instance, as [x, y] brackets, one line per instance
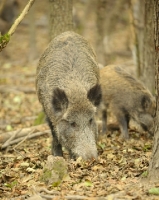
[154, 163]
[101, 26]
[148, 72]
[108, 18]
[141, 15]
[60, 16]
[136, 15]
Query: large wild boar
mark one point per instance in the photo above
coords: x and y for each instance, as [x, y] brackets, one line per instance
[126, 98]
[68, 89]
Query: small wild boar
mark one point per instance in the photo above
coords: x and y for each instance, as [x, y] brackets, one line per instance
[126, 98]
[68, 88]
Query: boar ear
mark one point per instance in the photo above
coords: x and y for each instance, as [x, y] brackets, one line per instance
[95, 94]
[60, 100]
[145, 102]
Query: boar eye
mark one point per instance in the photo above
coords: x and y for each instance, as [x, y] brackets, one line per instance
[73, 124]
[90, 121]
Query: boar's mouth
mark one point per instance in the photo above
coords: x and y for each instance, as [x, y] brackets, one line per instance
[84, 157]
[145, 128]
[89, 155]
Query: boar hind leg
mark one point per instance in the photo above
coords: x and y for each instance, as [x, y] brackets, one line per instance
[56, 147]
[123, 121]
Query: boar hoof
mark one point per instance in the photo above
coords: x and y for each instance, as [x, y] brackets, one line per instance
[57, 151]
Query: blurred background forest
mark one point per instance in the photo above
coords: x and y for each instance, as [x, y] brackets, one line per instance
[121, 32]
[106, 20]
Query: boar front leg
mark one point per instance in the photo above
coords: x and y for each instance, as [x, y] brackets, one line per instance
[104, 121]
[56, 147]
[123, 120]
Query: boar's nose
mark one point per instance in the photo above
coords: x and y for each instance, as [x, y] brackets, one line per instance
[90, 156]
[85, 155]
[93, 157]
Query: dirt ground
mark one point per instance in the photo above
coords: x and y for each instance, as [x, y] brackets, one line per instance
[121, 170]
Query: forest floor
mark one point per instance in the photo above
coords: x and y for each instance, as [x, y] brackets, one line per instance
[120, 172]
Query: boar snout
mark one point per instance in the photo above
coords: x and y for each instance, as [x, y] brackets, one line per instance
[86, 154]
[147, 122]
[85, 146]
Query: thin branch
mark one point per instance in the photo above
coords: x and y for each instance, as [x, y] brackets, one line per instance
[22, 132]
[48, 191]
[6, 88]
[72, 197]
[25, 138]
[37, 196]
[29, 137]
[118, 195]
[7, 143]
[20, 18]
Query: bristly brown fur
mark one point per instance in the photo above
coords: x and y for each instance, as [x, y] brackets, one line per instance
[67, 87]
[127, 98]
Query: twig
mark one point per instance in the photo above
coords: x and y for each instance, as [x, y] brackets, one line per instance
[16, 76]
[4, 39]
[29, 137]
[48, 191]
[118, 195]
[22, 132]
[20, 18]
[72, 197]
[7, 143]
[25, 138]
[6, 88]
[7, 156]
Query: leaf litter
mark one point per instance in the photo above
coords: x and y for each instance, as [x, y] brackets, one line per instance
[120, 170]
[119, 173]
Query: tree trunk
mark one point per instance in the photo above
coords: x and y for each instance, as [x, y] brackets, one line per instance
[108, 20]
[137, 22]
[154, 163]
[148, 72]
[101, 18]
[89, 23]
[60, 16]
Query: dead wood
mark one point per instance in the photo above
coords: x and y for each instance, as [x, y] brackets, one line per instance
[51, 194]
[22, 139]
[5, 89]
[20, 18]
[48, 191]
[22, 132]
[118, 195]
[11, 138]
[72, 197]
